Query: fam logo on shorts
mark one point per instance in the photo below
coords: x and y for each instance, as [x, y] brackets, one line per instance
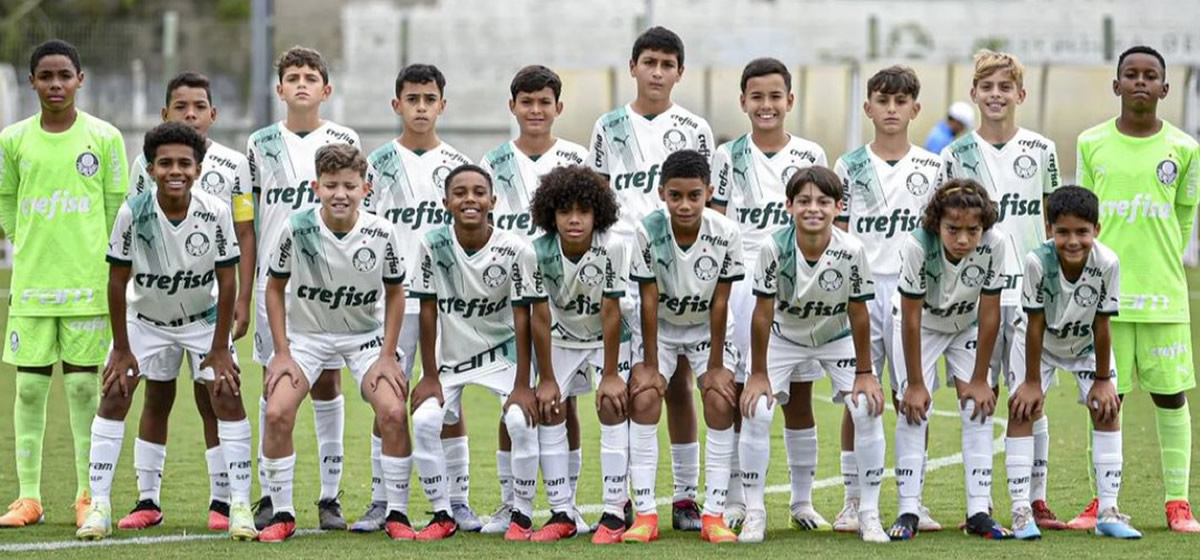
[787, 173]
[830, 280]
[972, 276]
[591, 275]
[364, 259]
[494, 275]
[1025, 166]
[674, 140]
[212, 182]
[1086, 296]
[705, 268]
[196, 244]
[439, 175]
[917, 184]
[87, 164]
[1167, 171]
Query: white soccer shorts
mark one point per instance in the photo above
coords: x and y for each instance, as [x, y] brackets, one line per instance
[264, 345]
[958, 348]
[883, 348]
[1005, 338]
[741, 308]
[693, 343]
[359, 351]
[789, 363]
[1083, 368]
[159, 350]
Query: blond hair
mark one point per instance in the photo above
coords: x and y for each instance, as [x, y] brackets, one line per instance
[989, 62]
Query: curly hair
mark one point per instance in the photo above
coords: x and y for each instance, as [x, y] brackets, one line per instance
[960, 194]
[574, 185]
[332, 158]
[173, 133]
[1073, 200]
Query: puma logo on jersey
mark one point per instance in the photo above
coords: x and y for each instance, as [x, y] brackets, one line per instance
[974, 169]
[622, 140]
[311, 256]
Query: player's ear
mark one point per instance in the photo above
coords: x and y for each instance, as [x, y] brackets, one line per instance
[558, 107]
[163, 112]
[396, 104]
[1166, 88]
[1097, 234]
[1021, 96]
[916, 109]
[212, 114]
[1117, 87]
[279, 90]
[662, 193]
[708, 190]
[632, 65]
[81, 80]
[512, 106]
[326, 91]
[742, 102]
[791, 101]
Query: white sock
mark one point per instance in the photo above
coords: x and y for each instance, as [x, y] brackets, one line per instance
[851, 490]
[218, 477]
[428, 455]
[458, 467]
[977, 460]
[870, 447]
[910, 464]
[1108, 458]
[378, 489]
[754, 449]
[553, 456]
[643, 465]
[504, 472]
[280, 474]
[396, 474]
[685, 470]
[718, 454]
[148, 461]
[1041, 459]
[574, 465]
[262, 435]
[235, 449]
[329, 418]
[736, 494]
[524, 459]
[801, 446]
[107, 437]
[614, 464]
[1018, 462]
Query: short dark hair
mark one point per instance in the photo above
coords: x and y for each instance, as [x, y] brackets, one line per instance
[332, 158]
[823, 177]
[658, 38]
[893, 80]
[302, 57]
[575, 185]
[192, 80]
[173, 133]
[685, 164]
[420, 74]
[765, 67]
[1073, 200]
[1142, 49]
[51, 48]
[960, 194]
[467, 168]
[535, 78]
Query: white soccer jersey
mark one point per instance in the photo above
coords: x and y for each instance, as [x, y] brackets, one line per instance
[950, 290]
[1017, 176]
[811, 299]
[883, 202]
[282, 164]
[687, 278]
[475, 293]
[224, 173]
[174, 265]
[630, 149]
[515, 176]
[1070, 307]
[337, 284]
[576, 288]
[752, 185]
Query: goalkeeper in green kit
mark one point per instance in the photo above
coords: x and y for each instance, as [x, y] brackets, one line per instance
[62, 180]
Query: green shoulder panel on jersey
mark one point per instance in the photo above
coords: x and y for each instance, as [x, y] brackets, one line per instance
[441, 249]
[306, 233]
[965, 150]
[785, 245]
[743, 170]
[549, 260]
[658, 231]
[931, 244]
[1050, 269]
[506, 174]
[269, 143]
[862, 176]
[618, 129]
[143, 213]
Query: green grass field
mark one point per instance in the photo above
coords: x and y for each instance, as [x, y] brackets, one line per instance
[185, 490]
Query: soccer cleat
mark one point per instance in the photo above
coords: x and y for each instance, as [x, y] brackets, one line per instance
[714, 530]
[1045, 518]
[904, 528]
[1112, 523]
[218, 516]
[847, 519]
[23, 512]
[735, 515]
[685, 516]
[281, 528]
[143, 515]
[643, 530]
[497, 523]
[466, 519]
[398, 527]
[264, 512]
[329, 514]
[241, 523]
[927, 523]
[754, 527]
[520, 527]
[870, 529]
[82, 505]
[1179, 517]
[608, 530]
[629, 517]
[805, 518]
[442, 526]
[1024, 525]
[97, 524]
[581, 524]
[1085, 521]
[560, 526]
[372, 520]
[982, 524]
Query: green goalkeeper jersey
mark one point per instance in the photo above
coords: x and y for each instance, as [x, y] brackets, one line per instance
[1148, 193]
[54, 193]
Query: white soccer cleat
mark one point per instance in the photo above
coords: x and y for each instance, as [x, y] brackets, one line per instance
[805, 518]
[735, 516]
[754, 527]
[927, 524]
[241, 523]
[870, 529]
[497, 524]
[847, 520]
[581, 524]
[97, 524]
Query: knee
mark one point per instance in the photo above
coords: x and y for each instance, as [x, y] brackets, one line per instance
[715, 406]
[85, 385]
[1177, 400]
[515, 423]
[280, 417]
[608, 414]
[393, 418]
[758, 426]
[227, 407]
[646, 402]
[113, 406]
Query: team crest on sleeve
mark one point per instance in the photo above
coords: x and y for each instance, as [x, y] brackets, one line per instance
[917, 183]
[1086, 296]
[364, 259]
[494, 275]
[830, 280]
[212, 182]
[674, 140]
[973, 276]
[787, 173]
[196, 244]
[87, 164]
[1167, 171]
[1025, 166]
[705, 268]
[591, 275]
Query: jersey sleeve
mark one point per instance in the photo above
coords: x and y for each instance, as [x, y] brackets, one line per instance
[10, 178]
[733, 268]
[1186, 194]
[114, 176]
[912, 269]
[721, 179]
[994, 282]
[139, 178]
[281, 253]
[120, 243]
[252, 159]
[1032, 300]
[766, 271]
[1083, 169]
[423, 285]
[228, 250]
[839, 168]
[243, 198]
[527, 286]
[704, 140]
[616, 277]
[393, 260]
[1050, 175]
[598, 150]
[641, 269]
[1110, 294]
[821, 159]
[862, 283]
[371, 203]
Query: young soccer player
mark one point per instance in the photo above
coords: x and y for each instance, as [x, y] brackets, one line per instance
[748, 179]
[281, 173]
[948, 304]
[584, 269]
[226, 175]
[1147, 177]
[176, 246]
[629, 145]
[61, 184]
[344, 264]
[822, 325]
[886, 183]
[688, 258]
[470, 275]
[408, 176]
[1069, 295]
[1019, 168]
